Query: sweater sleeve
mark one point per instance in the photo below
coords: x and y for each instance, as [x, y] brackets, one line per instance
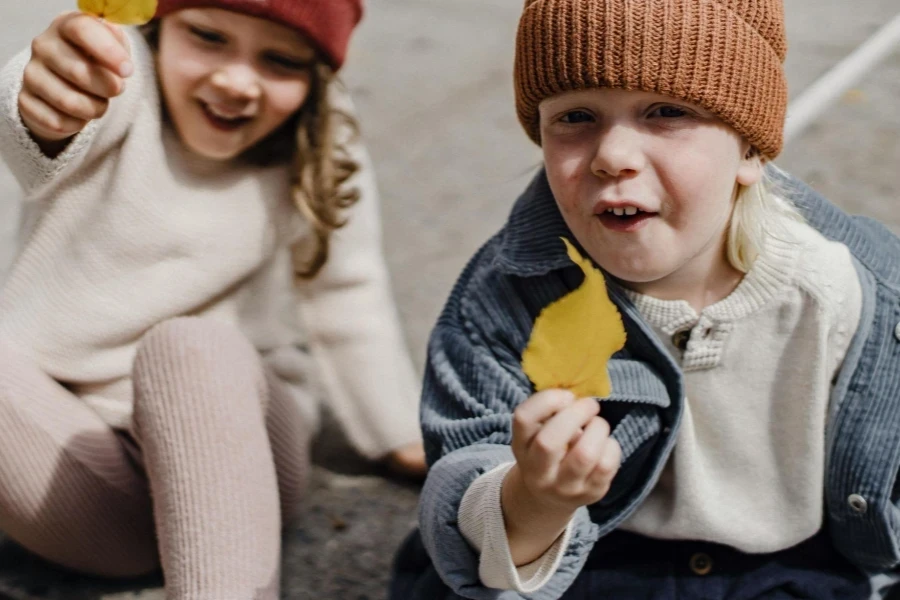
[354, 329]
[471, 388]
[482, 524]
[34, 170]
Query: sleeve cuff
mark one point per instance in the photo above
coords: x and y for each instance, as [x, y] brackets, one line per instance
[481, 523]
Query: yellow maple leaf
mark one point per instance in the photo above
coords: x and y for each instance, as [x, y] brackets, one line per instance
[123, 12]
[574, 337]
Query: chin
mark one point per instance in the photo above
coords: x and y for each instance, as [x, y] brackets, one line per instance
[642, 275]
[211, 153]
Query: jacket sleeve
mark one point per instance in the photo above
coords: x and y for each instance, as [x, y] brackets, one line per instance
[350, 315]
[472, 385]
[35, 171]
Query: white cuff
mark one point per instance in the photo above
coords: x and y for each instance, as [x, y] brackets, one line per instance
[482, 525]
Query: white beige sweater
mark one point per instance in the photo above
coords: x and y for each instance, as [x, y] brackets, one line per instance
[125, 229]
[749, 463]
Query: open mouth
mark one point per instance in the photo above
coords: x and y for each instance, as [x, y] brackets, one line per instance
[626, 218]
[221, 121]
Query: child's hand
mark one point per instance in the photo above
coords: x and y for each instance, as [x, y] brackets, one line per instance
[76, 66]
[565, 457]
[409, 461]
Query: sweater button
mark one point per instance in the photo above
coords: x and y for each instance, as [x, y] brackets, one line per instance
[680, 339]
[858, 504]
[701, 563]
[897, 332]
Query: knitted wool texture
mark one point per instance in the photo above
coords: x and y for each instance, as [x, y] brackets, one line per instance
[327, 23]
[724, 55]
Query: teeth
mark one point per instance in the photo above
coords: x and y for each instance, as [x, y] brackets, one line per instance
[629, 211]
[220, 115]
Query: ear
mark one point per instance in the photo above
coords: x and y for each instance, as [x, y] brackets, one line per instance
[750, 170]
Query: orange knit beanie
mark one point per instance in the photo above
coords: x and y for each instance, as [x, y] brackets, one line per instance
[724, 55]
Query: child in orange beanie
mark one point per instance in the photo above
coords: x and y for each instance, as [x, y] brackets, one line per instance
[748, 447]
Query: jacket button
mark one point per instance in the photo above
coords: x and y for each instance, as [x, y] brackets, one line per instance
[701, 563]
[897, 332]
[858, 504]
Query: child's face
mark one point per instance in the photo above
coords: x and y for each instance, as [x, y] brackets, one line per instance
[228, 79]
[674, 162]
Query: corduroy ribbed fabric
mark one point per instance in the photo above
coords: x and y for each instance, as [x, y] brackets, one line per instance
[327, 23]
[724, 55]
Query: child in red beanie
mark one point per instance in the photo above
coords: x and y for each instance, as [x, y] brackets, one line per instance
[204, 225]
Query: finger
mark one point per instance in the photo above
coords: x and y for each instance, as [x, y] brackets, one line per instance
[98, 43]
[44, 121]
[61, 95]
[568, 424]
[71, 64]
[608, 464]
[534, 412]
[584, 455]
[119, 33]
[550, 445]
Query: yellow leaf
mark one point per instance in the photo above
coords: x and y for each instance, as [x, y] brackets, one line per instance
[123, 12]
[574, 337]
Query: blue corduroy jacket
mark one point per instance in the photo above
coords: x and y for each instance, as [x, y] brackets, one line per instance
[474, 381]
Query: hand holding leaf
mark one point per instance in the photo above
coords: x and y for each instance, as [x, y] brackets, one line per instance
[574, 337]
[76, 66]
[122, 12]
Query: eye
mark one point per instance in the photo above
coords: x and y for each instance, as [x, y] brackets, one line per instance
[577, 116]
[287, 63]
[207, 36]
[667, 111]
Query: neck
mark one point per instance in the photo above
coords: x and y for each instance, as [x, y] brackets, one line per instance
[708, 278]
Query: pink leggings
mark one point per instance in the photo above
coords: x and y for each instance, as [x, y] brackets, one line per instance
[222, 452]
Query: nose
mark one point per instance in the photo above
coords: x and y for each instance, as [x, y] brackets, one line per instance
[619, 153]
[237, 81]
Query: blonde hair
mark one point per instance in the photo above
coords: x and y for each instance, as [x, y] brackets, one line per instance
[315, 141]
[761, 211]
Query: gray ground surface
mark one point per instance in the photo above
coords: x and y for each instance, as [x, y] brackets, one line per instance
[433, 85]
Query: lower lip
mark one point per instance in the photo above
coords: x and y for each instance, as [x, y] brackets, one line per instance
[222, 124]
[627, 224]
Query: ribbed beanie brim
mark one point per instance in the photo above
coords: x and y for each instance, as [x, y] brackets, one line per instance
[327, 23]
[724, 55]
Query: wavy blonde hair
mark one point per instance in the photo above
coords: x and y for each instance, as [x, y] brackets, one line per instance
[760, 212]
[314, 140]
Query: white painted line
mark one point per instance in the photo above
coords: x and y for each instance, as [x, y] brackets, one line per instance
[831, 86]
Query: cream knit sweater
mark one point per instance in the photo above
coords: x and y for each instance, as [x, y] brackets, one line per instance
[125, 229]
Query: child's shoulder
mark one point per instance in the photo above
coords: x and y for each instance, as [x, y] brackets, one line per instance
[478, 278]
[825, 269]
[493, 302]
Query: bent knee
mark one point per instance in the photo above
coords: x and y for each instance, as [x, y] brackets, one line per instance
[199, 341]
[187, 352]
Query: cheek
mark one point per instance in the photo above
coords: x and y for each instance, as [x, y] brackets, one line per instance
[285, 98]
[700, 182]
[179, 77]
[566, 164]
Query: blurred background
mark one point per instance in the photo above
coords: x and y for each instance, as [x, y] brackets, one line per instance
[433, 86]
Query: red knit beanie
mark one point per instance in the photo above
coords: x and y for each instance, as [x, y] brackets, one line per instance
[326, 23]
